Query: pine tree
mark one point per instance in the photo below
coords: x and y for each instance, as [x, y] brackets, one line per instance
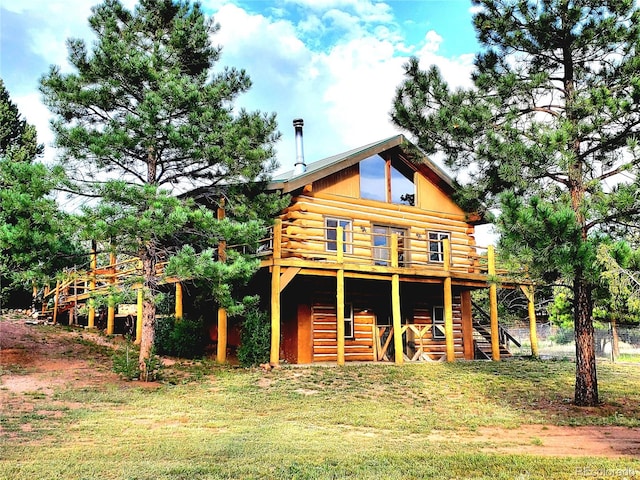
[144, 116]
[33, 238]
[548, 134]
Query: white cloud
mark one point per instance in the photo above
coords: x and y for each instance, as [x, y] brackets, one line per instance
[343, 91]
[31, 108]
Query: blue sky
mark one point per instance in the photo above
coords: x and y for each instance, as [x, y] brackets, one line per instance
[334, 63]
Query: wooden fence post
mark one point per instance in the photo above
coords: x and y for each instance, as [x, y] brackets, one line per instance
[396, 313]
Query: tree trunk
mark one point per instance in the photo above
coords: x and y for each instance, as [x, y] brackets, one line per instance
[586, 390]
[148, 313]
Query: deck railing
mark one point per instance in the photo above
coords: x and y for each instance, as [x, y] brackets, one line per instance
[365, 246]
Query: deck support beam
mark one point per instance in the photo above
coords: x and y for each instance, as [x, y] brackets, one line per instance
[274, 356]
[111, 307]
[448, 303]
[340, 296]
[55, 303]
[467, 324]
[223, 335]
[493, 304]
[178, 306]
[91, 320]
[396, 313]
[221, 350]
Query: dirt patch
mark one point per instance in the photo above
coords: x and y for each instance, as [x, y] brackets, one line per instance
[36, 360]
[550, 440]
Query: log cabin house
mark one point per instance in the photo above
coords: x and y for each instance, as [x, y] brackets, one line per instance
[373, 260]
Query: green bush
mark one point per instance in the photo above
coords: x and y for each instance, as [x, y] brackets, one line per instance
[255, 337]
[183, 338]
[563, 336]
[125, 361]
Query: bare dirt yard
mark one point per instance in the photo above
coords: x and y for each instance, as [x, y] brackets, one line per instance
[36, 361]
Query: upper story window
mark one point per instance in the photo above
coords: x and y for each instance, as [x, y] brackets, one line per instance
[436, 247]
[331, 234]
[386, 181]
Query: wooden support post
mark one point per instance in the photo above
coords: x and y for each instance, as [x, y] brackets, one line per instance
[72, 310]
[397, 319]
[111, 308]
[531, 307]
[275, 293]
[93, 264]
[178, 306]
[34, 295]
[493, 304]
[340, 315]
[467, 324]
[221, 351]
[47, 290]
[448, 302]
[55, 303]
[340, 297]
[221, 348]
[396, 313]
[139, 305]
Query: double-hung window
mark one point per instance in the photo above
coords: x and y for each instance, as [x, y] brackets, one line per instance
[437, 329]
[348, 320]
[436, 246]
[331, 234]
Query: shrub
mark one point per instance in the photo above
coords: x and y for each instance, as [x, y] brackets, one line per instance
[255, 337]
[125, 361]
[563, 336]
[183, 338]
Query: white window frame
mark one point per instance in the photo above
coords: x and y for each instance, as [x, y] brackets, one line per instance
[435, 239]
[382, 253]
[436, 320]
[347, 229]
[349, 325]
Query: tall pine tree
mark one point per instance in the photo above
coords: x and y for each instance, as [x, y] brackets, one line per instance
[34, 241]
[146, 115]
[548, 134]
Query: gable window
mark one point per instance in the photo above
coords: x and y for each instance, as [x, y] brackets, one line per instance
[348, 321]
[436, 246]
[382, 244]
[331, 234]
[386, 180]
[437, 329]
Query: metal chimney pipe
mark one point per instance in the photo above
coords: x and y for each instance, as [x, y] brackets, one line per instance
[299, 167]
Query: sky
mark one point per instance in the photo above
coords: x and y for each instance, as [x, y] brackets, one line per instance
[334, 63]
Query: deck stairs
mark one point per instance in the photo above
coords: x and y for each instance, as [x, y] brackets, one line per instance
[482, 337]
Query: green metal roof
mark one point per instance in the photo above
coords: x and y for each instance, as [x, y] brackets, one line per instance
[287, 181]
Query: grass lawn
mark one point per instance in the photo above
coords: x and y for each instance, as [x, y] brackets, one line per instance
[366, 421]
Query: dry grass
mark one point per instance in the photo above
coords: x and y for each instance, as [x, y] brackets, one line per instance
[367, 421]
